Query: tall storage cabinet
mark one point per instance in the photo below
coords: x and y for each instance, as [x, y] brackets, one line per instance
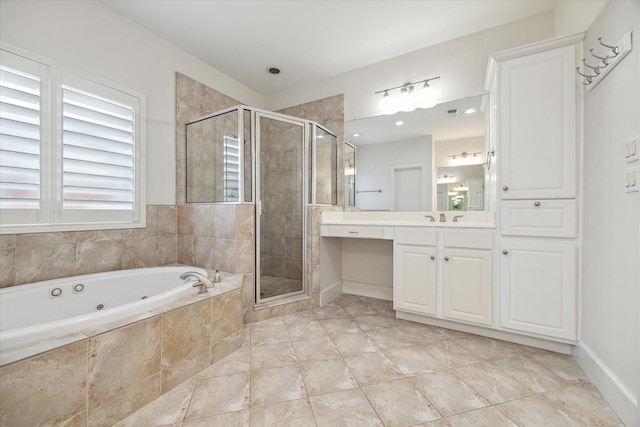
[534, 95]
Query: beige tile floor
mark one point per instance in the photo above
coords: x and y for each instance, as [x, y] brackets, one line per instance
[353, 363]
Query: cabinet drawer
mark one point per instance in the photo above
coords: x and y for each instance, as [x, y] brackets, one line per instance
[472, 239]
[357, 231]
[416, 236]
[544, 218]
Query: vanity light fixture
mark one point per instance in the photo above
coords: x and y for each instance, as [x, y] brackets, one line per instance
[408, 100]
[464, 155]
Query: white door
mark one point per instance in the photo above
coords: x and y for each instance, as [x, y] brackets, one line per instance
[414, 282]
[538, 287]
[407, 189]
[468, 285]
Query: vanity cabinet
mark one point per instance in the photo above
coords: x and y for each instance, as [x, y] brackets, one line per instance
[539, 290]
[462, 274]
[467, 285]
[467, 279]
[415, 278]
[415, 275]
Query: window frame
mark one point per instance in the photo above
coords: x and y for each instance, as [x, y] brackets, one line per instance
[51, 217]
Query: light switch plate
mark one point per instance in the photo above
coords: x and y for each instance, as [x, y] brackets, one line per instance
[631, 149]
[632, 179]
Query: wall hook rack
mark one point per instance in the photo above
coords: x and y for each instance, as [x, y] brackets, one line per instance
[606, 61]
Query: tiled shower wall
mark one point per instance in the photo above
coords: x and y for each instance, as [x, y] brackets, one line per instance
[26, 258]
[220, 236]
[214, 236]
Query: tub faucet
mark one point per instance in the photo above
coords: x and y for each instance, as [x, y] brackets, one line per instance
[442, 217]
[202, 281]
[455, 218]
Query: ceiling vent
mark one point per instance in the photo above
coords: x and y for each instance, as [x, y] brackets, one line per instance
[452, 113]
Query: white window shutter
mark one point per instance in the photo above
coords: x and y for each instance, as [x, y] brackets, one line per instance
[20, 136]
[98, 152]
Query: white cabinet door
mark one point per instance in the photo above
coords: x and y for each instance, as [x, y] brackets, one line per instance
[467, 287]
[538, 287]
[537, 125]
[415, 279]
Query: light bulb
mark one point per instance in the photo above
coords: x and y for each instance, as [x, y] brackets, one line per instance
[387, 104]
[405, 102]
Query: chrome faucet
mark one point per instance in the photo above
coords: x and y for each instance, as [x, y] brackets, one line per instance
[431, 218]
[442, 217]
[455, 218]
[202, 281]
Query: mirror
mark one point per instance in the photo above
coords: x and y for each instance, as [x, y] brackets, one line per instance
[402, 156]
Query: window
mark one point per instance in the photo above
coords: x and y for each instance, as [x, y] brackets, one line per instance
[70, 149]
[231, 173]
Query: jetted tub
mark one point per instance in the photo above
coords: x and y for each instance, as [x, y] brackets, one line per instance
[89, 343]
[44, 310]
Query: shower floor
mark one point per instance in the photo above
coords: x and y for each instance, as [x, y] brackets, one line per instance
[271, 286]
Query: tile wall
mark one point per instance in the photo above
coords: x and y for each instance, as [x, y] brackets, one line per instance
[220, 236]
[102, 379]
[26, 258]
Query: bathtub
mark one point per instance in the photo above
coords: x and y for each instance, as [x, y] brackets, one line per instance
[41, 311]
[94, 366]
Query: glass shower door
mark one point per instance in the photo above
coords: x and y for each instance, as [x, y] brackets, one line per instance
[280, 225]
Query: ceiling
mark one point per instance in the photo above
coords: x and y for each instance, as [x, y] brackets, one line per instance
[313, 40]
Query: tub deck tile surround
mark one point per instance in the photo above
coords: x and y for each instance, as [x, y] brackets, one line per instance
[110, 373]
[433, 383]
[54, 399]
[124, 370]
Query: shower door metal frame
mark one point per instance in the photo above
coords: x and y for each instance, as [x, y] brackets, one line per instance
[255, 128]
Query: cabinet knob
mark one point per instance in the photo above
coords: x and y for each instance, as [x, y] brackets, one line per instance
[505, 188]
[536, 204]
[446, 258]
[505, 252]
[433, 257]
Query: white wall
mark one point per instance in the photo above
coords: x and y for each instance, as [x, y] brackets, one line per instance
[93, 38]
[444, 149]
[609, 350]
[575, 16]
[460, 63]
[373, 170]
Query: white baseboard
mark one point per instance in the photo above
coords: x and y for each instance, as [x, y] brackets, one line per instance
[368, 290]
[555, 346]
[616, 393]
[330, 293]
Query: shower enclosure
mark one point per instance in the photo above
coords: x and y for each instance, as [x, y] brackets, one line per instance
[279, 163]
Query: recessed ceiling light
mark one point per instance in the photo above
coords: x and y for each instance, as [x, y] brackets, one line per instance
[273, 70]
[399, 123]
[355, 135]
[470, 111]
